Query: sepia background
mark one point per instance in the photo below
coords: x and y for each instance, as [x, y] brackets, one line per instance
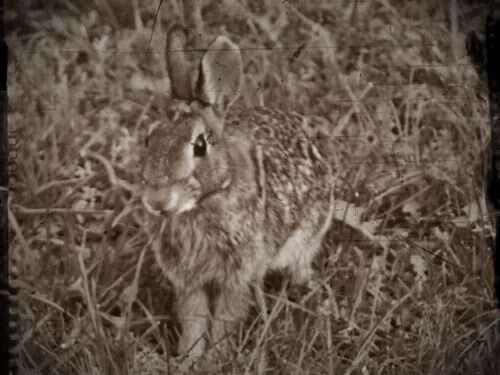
[406, 269]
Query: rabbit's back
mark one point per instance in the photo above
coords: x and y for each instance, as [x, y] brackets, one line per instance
[296, 176]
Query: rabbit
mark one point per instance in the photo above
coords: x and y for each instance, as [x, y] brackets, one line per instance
[239, 193]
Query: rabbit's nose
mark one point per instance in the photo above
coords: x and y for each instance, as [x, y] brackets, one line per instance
[153, 204]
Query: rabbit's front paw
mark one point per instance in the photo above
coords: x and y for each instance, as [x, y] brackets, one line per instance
[306, 295]
[194, 364]
[183, 365]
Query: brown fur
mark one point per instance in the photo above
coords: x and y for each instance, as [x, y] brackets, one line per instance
[259, 199]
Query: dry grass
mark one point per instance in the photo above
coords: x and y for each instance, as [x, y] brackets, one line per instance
[406, 271]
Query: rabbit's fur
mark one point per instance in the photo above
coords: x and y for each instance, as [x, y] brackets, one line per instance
[244, 192]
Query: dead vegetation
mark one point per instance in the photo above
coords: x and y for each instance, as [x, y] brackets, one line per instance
[406, 271]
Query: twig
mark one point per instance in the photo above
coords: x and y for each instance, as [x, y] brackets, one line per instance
[58, 210]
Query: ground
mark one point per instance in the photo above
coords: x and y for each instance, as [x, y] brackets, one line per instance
[406, 270]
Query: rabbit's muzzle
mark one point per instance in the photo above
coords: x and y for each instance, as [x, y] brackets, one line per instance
[172, 198]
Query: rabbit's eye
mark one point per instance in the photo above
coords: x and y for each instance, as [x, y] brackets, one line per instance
[200, 146]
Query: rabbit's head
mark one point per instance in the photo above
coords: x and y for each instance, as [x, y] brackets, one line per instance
[189, 159]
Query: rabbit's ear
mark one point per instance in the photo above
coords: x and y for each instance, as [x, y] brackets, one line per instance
[220, 75]
[181, 64]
